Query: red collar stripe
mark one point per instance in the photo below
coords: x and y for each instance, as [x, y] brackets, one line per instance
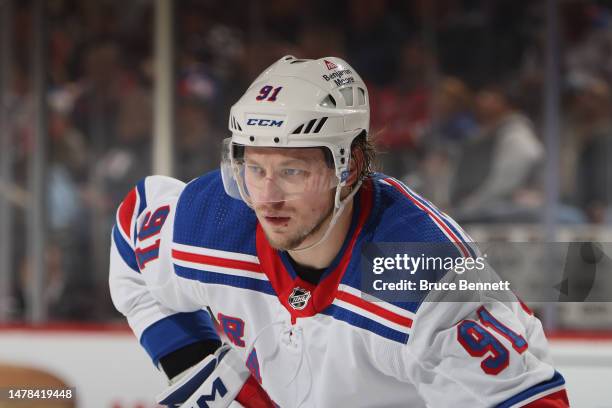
[327, 289]
[324, 293]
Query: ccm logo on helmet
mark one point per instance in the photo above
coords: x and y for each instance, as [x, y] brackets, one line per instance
[264, 122]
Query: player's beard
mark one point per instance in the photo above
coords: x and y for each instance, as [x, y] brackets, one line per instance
[295, 241]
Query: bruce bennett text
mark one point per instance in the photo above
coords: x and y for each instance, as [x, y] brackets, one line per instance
[425, 285]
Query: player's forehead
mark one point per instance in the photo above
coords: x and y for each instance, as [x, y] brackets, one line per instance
[267, 154]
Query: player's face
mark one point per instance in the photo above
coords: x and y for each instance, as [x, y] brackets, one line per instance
[289, 220]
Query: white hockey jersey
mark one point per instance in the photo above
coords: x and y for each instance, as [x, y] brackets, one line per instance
[182, 251]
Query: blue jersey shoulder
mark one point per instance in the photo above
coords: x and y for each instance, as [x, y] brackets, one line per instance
[401, 221]
[207, 217]
[405, 216]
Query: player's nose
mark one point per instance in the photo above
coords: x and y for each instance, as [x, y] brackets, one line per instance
[271, 192]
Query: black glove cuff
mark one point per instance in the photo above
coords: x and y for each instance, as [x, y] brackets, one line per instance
[188, 356]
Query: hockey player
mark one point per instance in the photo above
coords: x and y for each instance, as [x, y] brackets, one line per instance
[270, 247]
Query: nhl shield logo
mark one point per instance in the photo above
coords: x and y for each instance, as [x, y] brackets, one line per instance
[298, 299]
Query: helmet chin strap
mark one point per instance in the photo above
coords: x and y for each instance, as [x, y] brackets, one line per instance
[339, 206]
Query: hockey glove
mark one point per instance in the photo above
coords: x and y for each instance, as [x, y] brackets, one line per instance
[215, 382]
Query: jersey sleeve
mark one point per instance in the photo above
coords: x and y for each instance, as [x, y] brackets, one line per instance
[165, 312]
[462, 348]
[480, 354]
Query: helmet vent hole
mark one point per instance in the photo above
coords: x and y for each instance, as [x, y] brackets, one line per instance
[342, 160]
[361, 96]
[347, 94]
[309, 126]
[235, 124]
[276, 140]
[252, 138]
[328, 102]
[342, 151]
[297, 61]
[320, 124]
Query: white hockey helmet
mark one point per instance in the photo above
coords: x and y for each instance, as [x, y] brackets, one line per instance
[298, 103]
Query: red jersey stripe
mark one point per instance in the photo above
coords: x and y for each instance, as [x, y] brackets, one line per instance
[215, 261]
[126, 211]
[437, 219]
[555, 400]
[375, 309]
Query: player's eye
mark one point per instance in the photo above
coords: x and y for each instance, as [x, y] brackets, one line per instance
[255, 170]
[289, 172]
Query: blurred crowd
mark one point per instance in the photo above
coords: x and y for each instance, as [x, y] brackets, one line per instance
[456, 89]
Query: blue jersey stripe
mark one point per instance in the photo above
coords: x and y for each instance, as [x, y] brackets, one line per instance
[362, 322]
[140, 188]
[142, 194]
[176, 331]
[555, 381]
[467, 244]
[242, 282]
[125, 250]
[284, 257]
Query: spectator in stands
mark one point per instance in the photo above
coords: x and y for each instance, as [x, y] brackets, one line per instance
[130, 159]
[197, 140]
[65, 296]
[68, 218]
[374, 36]
[67, 164]
[494, 178]
[453, 109]
[587, 35]
[103, 84]
[319, 40]
[453, 123]
[401, 110]
[591, 106]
